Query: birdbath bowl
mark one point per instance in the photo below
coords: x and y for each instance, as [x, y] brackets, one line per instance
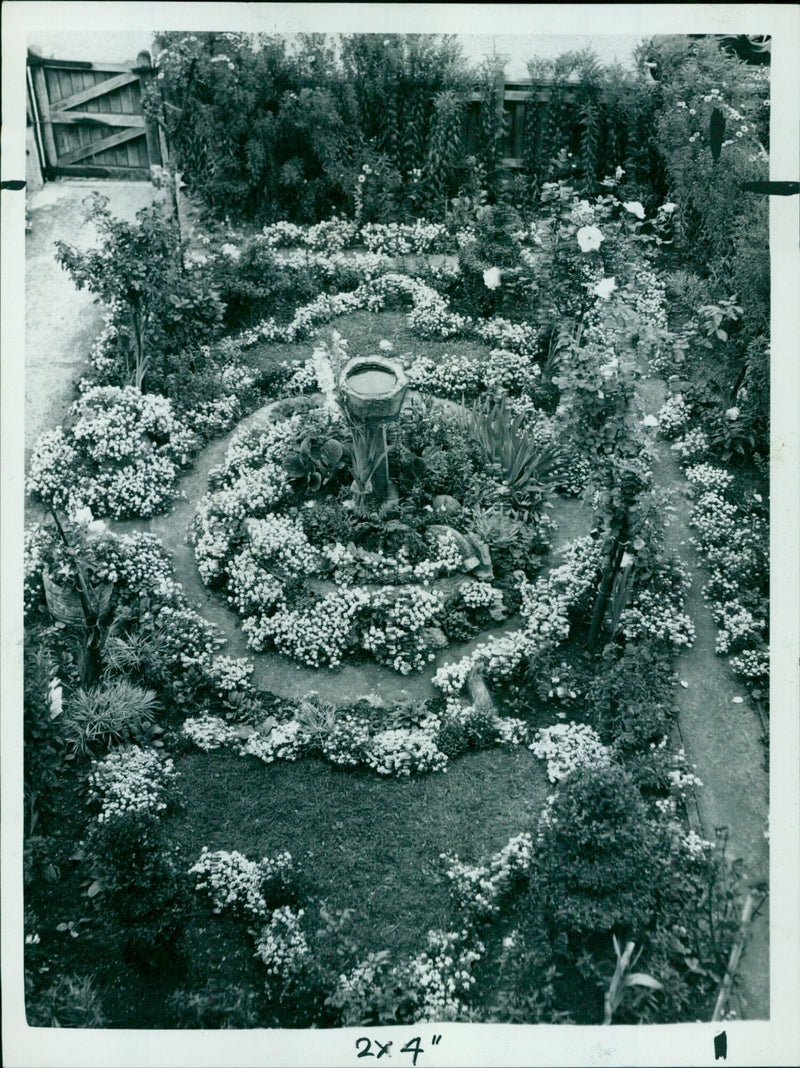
[374, 388]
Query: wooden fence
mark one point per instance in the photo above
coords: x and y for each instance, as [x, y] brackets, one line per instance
[88, 119]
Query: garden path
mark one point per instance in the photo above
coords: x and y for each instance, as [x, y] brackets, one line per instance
[723, 738]
[276, 673]
[61, 322]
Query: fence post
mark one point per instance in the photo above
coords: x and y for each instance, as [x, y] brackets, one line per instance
[42, 104]
[144, 68]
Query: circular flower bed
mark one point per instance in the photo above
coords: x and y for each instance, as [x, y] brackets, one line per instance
[320, 574]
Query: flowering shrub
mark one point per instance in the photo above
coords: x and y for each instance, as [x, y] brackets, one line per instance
[674, 416]
[121, 456]
[282, 947]
[693, 447]
[131, 781]
[478, 890]
[566, 746]
[404, 752]
[440, 978]
[208, 732]
[286, 741]
[234, 882]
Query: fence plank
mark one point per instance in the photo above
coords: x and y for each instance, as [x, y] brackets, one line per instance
[102, 145]
[97, 118]
[96, 90]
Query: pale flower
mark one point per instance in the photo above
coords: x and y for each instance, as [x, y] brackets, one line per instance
[604, 288]
[385, 346]
[668, 208]
[491, 277]
[732, 414]
[650, 420]
[589, 239]
[618, 173]
[635, 208]
[83, 517]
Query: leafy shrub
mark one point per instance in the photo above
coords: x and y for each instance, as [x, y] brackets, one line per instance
[470, 729]
[218, 1005]
[163, 312]
[601, 861]
[146, 894]
[631, 694]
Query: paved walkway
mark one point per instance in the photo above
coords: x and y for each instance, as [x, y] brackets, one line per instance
[61, 322]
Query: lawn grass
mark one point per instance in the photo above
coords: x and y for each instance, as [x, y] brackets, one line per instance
[361, 841]
[363, 331]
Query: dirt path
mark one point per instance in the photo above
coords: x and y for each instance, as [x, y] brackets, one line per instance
[61, 322]
[721, 737]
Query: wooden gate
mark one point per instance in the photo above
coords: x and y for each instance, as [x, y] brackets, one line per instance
[89, 118]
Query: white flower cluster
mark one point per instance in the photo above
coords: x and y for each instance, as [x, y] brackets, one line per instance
[695, 846]
[317, 635]
[120, 457]
[230, 674]
[404, 752]
[348, 741]
[567, 746]
[657, 617]
[282, 946]
[480, 595]
[208, 732]
[692, 447]
[738, 628]
[399, 639]
[478, 889]
[286, 741]
[674, 416]
[545, 604]
[251, 588]
[399, 239]
[280, 541]
[234, 882]
[131, 781]
[513, 731]
[441, 977]
[752, 663]
[709, 479]
[214, 417]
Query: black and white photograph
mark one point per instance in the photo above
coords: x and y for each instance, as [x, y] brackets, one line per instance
[400, 548]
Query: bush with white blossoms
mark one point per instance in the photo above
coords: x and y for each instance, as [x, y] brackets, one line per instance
[674, 416]
[478, 890]
[131, 781]
[440, 978]
[286, 741]
[121, 455]
[234, 882]
[693, 447]
[567, 746]
[705, 478]
[208, 732]
[282, 947]
[404, 752]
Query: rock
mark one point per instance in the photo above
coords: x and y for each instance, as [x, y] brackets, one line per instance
[266, 726]
[243, 732]
[434, 637]
[444, 503]
[483, 569]
[479, 692]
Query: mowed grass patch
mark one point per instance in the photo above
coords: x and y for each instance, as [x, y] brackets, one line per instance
[360, 841]
[363, 331]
